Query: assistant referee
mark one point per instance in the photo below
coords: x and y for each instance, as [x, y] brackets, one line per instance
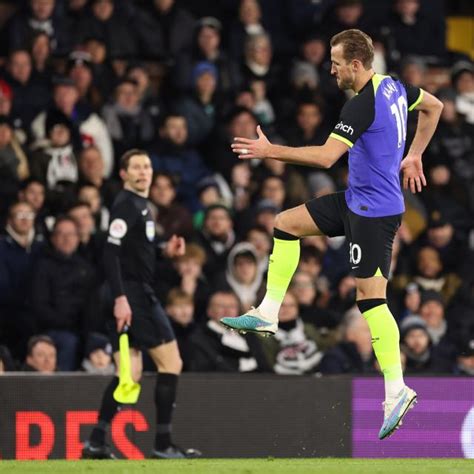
[129, 262]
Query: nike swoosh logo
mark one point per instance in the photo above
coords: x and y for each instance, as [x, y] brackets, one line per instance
[144, 212]
[353, 268]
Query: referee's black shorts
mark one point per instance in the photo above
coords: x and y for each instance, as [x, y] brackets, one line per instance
[150, 326]
[370, 238]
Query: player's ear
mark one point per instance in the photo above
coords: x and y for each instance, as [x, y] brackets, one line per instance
[123, 174]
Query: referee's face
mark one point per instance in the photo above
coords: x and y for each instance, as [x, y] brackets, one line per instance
[137, 177]
[341, 69]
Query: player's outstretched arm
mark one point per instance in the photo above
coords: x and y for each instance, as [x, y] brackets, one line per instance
[319, 156]
[429, 112]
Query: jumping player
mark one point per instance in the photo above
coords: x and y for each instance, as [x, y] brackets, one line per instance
[129, 264]
[372, 126]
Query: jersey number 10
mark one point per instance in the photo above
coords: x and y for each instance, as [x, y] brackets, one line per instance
[400, 110]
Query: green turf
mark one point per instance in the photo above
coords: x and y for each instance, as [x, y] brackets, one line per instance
[246, 466]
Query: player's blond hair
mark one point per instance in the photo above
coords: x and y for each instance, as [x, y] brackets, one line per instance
[355, 45]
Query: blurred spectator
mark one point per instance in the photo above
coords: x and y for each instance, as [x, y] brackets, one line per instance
[107, 23]
[432, 310]
[41, 355]
[207, 47]
[91, 240]
[129, 125]
[172, 217]
[354, 354]
[174, 156]
[55, 163]
[63, 286]
[248, 24]
[465, 355]
[33, 192]
[308, 129]
[292, 351]
[217, 237]
[216, 349]
[30, 95]
[200, 106]
[20, 249]
[91, 171]
[80, 70]
[430, 274]
[259, 65]
[98, 355]
[345, 14]
[88, 127]
[262, 242]
[180, 309]
[242, 275]
[6, 361]
[463, 82]
[240, 122]
[413, 71]
[37, 16]
[191, 279]
[163, 29]
[150, 100]
[421, 356]
[41, 57]
[13, 164]
[90, 195]
[414, 32]
[264, 213]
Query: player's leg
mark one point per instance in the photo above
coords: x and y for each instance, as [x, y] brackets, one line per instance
[289, 227]
[371, 242]
[320, 216]
[96, 447]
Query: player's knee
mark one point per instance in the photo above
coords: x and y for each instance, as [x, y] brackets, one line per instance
[282, 222]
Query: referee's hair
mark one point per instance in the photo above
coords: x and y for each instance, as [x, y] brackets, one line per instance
[128, 155]
[355, 45]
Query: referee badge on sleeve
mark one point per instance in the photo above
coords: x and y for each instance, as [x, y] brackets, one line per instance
[150, 230]
[118, 229]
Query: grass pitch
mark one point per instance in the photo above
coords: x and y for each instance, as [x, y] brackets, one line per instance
[246, 466]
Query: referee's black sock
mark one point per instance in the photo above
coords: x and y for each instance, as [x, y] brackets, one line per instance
[107, 411]
[165, 397]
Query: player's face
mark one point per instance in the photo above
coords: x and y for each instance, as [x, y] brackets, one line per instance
[341, 69]
[138, 175]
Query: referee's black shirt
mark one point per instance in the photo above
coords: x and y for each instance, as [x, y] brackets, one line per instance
[130, 250]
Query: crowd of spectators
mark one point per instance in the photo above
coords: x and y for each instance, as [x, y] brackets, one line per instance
[81, 81]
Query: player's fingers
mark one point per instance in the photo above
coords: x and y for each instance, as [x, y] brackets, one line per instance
[244, 141]
[418, 184]
[405, 182]
[247, 156]
[120, 324]
[423, 179]
[259, 132]
[412, 186]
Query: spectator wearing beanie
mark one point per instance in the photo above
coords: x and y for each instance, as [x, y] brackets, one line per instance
[98, 355]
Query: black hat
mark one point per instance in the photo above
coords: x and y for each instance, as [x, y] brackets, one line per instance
[210, 22]
[97, 341]
[437, 219]
[431, 295]
[79, 58]
[6, 120]
[466, 345]
[56, 117]
[266, 205]
[207, 182]
[410, 323]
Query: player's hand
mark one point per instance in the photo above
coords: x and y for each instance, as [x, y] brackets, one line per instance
[413, 177]
[248, 148]
[175, 247]
[122, 312]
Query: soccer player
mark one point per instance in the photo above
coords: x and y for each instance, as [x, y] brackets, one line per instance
[129, 264]
[372, 126]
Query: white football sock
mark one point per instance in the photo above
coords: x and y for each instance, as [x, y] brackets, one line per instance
[269, 309]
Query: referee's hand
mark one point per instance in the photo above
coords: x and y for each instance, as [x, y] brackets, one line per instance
[122, 312]
[175, 247]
